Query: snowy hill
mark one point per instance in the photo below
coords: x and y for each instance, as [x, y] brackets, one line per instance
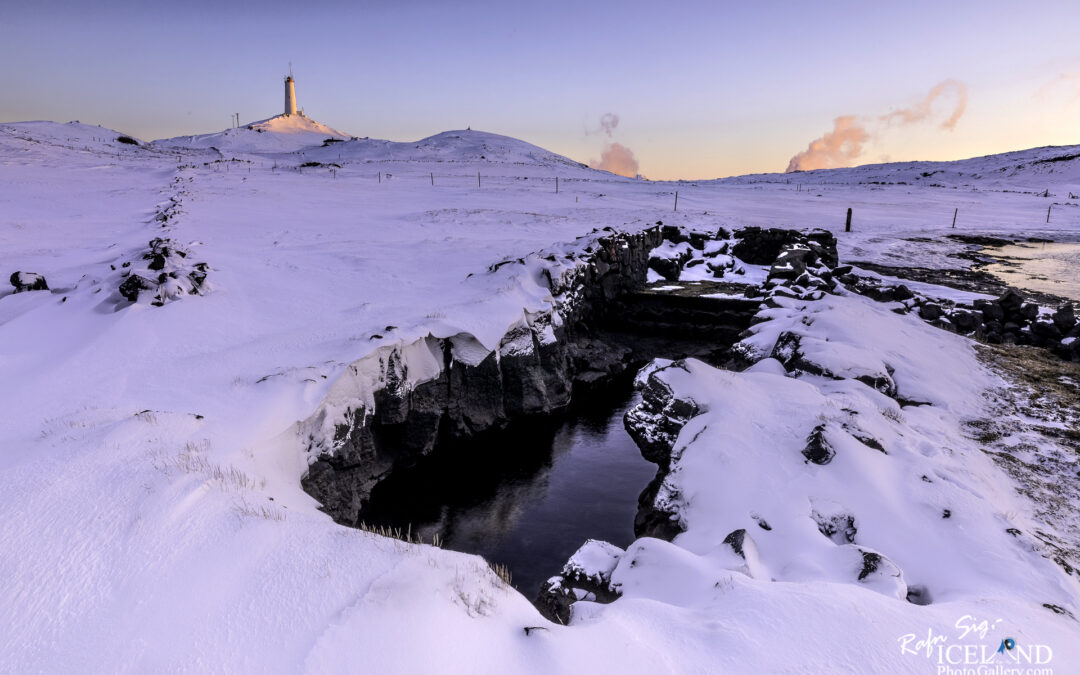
[154, 440]
[49, 140]
[1035, 169]
[318, 142]
[282, 133]
[462, 146]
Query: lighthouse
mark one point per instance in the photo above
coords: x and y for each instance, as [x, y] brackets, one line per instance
[290, 96]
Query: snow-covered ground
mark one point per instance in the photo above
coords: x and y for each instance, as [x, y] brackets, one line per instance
[150, 468]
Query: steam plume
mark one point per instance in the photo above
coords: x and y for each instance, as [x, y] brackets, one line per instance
[845, 142]
[842, 144]
[617, 159]
[921, 110]
[1065, 85]
[608, 122]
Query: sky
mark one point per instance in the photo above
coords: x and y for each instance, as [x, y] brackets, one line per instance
[699, 89]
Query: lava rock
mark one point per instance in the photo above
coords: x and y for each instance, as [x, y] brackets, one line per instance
[669, 268]
[992, 327]
[697, 240]
[28, 281]
[929, 311]
[759, 246]
[789, 264]
[654, 424]
[902, 292]
[818, 450]
[1046, 330]
[991, 311]
[1010, 301]
[838, 527]
[133, 285]
[883, 294]
[1029, 311]
[1064, 318]
[965, 321]
[674, 234]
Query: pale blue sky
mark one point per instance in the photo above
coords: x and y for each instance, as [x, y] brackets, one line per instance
[702, 89]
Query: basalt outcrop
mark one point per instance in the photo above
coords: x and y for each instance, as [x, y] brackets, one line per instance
[403, 401]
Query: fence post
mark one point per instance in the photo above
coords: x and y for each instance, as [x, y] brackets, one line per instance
[1048, 212]
[676, 200]
[477, 180]
[432, 179]
[954, 216]
[556, 185]
[847, 226]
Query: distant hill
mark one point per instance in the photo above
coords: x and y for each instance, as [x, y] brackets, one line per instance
[449, 146]
[1054, 168]
[1036, 169]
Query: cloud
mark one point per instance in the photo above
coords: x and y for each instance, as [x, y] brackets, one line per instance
[844, 144]
[617, 159]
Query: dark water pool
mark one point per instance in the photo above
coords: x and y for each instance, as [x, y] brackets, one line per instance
[529, 497]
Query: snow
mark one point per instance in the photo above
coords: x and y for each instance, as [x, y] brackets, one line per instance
[283, 133]
[151, 461]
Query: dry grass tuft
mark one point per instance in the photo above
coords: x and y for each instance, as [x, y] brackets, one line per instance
[405, 535]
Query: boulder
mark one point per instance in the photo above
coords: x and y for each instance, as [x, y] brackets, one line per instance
[883, 294]
[818, 450]
[965, 321]
[673, 234]
[991, 311]
[28, 281]
[929, 311]
[902, 292]
[1010, 301]
[697, 240]
[1064, 318]
[1046, 330]
[669, 268]
[133, 285]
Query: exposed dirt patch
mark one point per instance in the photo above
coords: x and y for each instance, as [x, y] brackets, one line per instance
[1033, 433]
[973, 280]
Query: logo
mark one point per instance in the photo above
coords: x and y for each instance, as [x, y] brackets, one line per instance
[977, 647]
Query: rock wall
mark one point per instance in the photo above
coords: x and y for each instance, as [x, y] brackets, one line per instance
[401, 402]
[1009, 319]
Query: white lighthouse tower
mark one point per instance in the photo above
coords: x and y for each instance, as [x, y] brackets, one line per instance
[290, 96]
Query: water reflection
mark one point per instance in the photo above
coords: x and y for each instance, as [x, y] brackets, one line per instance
[529, 498]
[1046, 268]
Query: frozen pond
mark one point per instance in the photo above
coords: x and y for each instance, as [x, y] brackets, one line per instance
[528, 498]
[1047, 268]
